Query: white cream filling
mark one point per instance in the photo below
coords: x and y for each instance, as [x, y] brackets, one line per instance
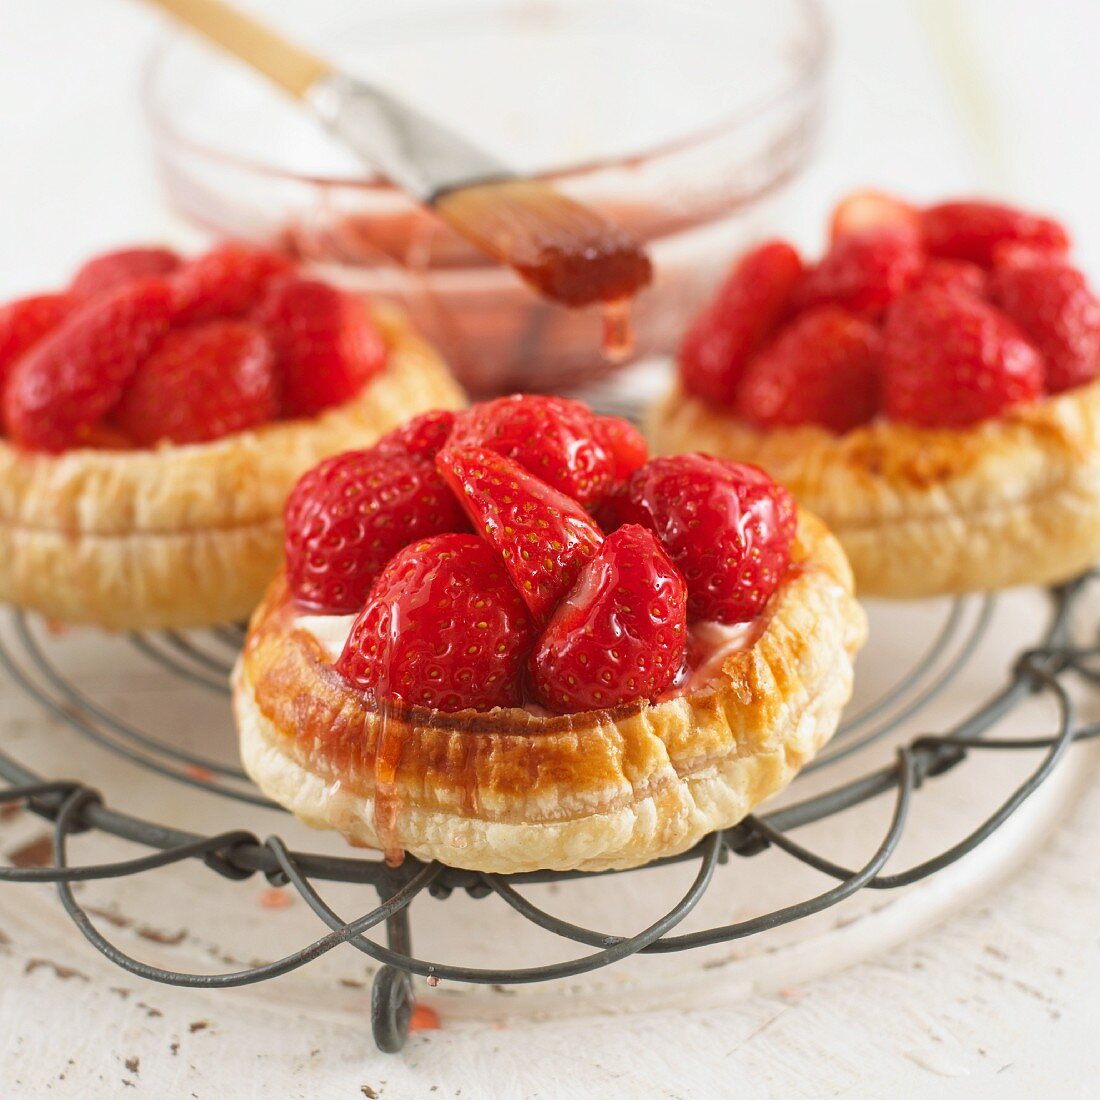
[713, 642]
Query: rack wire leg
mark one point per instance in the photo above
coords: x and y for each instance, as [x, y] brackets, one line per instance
[392, 999]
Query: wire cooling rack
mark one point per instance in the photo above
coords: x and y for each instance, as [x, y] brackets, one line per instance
[202, 661]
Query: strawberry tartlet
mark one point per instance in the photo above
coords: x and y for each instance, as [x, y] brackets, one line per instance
[155, 414]
[507, 639]
[929, 388]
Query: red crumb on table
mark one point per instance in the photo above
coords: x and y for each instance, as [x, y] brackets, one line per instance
[424, 1018]
[275, 898]
[197, 771]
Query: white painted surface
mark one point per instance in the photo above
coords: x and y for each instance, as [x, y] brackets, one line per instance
[997, 999]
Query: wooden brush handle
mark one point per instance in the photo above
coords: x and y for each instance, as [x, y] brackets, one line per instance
[289, 66]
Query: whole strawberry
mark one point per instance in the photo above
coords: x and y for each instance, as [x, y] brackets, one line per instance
[423, 437]
[953, 275]
[973, 230]
[346, 518]
[551, 437]
[201, 383]
[863, 271]
[124, 265]
[1052, 302]
[542, 536]
[326, 345]
[822, 369]
[74, 376]
[949, 360]
[749, 306]
[620, 634]
[727, 527]
[442, 627]
[226, 282]
[24, 322]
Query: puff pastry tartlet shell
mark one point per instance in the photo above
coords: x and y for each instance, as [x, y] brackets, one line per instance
[509, 790]
[923, 512]
[185, 535]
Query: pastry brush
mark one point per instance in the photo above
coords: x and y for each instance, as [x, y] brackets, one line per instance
[565, 250]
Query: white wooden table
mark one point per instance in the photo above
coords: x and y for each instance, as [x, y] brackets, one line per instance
[982, 982]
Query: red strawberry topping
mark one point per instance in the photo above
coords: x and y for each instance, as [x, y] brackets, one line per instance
[974, 230]
[822, 369]
[620, 634]
[863, 271]
[347, 517]
[225, 282]
[871, 210]
[124, 265]
[727, 527]
[1051, 301]
[623, 442]
[201, 383]
[551, 437]
[950, 360]
[442, 627]
[73, 377]
[422, 437]
[24, 322]
[325, 341]
[542, 536]
[954, 275]
[747, 309]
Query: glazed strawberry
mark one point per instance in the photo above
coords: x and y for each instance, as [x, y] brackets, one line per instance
[201, 383]
[726, 526]
[973, 231]
[623, 442]
[24, 322]
[871, 210]
[73, 377]
[1051, 301]
[863, 271]
[347, 517]
[124, 265]
[226, 282]
[422, 437]
[551, 437]
[542, 536]
[949, 360]
[821, 369]
[325, 342]
[620, 634]
[954, 275]
[748, 307]
[442, 627]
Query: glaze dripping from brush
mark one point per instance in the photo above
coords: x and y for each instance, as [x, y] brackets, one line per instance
[618, 332]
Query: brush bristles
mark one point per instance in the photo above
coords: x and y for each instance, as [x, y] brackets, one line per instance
[567, 251]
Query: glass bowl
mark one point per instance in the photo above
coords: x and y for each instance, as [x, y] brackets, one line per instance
[685, 121]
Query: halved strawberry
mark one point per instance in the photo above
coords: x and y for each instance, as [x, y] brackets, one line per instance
[949, 360]
[74, 376]
[121, 266]
[542, 536]
[226, 282]
[726, 526]
[1053, 303]
[871, 210]
[326, 344]
[749, 305]
[625, 444]
[24, 322]
[973, 230]
[551, 437]
[442, 627]
[821, 369]
[347, 517]
[863, 271]
[620, 633]
[201, 383]
[423, 437]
